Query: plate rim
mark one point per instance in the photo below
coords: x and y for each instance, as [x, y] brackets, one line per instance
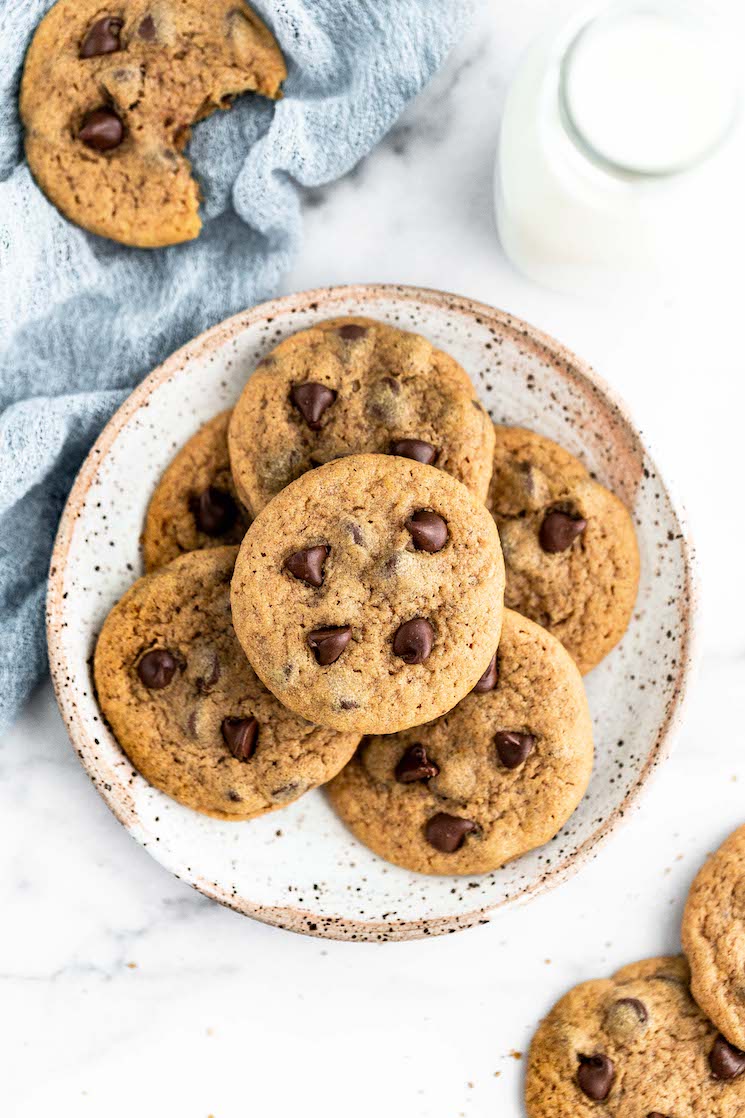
[81, 738]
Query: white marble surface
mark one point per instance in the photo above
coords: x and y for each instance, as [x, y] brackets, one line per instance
[123, 992]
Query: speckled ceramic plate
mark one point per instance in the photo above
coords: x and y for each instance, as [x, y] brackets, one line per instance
[300, 868]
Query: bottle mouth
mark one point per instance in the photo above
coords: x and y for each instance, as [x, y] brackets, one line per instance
[647, 89]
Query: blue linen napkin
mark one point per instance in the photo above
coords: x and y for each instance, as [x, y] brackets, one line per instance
[83, 320]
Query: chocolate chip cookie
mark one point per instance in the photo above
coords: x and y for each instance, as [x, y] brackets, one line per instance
[497, 776]
[108, 98]
[188, 710]
[195, 504]
[714, 938]
[570, 551]
[633, 1046]
[368, 593]
[352, 386]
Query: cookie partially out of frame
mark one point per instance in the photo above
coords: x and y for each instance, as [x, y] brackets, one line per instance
[368, 594]
[194, 504]
[570, 551]
[633, 1046]
[497, 776]
[353, 386]
[108, 98]
[186, 707]
[714, 937]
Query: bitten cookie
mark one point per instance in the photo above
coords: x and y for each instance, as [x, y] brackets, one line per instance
[368, 594]
[714, 938]
[108, 98]
[633, 1046]
[195, 504]
[353, 386]
[570, 551]
[186, 707]
[497, 776]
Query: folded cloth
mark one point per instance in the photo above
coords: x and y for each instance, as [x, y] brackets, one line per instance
[82, 320]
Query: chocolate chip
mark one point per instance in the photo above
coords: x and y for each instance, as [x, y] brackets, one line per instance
[726, 1061]
[312, 400]
[328, 644]
[157, 668]
[240, 736]
[513, 748]
[102, 37]
[489, 679]
[413, 640]
[414, 448]
[215, 512]
[146, 30]
[307, 565]
[625, 1017]
[415, 765]
[394, 385]
[102, 130]
[428, 530]
[595, 1077]
[559, 530]
[352, 331]
[656, 1114]
[447, 833]
[286, 791]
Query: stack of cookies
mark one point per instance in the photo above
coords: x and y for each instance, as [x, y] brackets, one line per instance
[328, 602]
[664, 1038]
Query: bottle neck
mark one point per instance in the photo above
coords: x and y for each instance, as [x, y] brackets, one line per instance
[647, 89]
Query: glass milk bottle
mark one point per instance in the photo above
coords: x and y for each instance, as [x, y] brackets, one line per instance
[612, 162]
